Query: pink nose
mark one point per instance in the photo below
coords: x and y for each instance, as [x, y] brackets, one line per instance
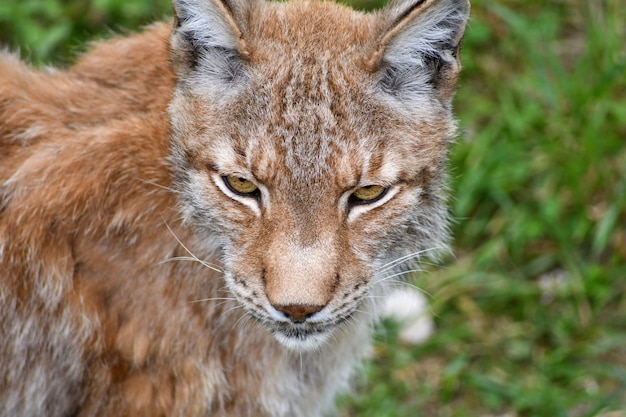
[298, 313]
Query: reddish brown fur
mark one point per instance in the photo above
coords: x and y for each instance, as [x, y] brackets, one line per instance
[98, 220]
[98, 311]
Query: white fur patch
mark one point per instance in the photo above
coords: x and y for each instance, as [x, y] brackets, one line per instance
[410, 309]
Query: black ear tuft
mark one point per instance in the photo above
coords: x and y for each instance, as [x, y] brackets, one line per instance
[417, 52]
[208, 41]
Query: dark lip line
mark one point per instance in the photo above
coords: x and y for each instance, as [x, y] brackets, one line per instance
[301, 332]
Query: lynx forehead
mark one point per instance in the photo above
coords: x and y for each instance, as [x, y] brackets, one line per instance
[201, 218]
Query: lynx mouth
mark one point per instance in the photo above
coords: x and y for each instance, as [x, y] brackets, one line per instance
[306, 336]
[302, 339]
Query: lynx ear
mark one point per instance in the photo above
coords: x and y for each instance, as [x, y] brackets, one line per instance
[417, 50]
[208, 40]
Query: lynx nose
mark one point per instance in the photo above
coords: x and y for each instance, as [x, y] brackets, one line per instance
[298, 313]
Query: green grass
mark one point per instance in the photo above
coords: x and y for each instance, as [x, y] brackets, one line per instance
[531, 313]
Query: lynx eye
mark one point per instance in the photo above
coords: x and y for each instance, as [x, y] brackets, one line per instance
[241, 186]
[368, 194]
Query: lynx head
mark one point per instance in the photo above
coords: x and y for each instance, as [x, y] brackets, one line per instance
[310, 142]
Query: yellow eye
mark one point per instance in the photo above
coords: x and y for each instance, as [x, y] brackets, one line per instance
[240, 186]
[368, 194]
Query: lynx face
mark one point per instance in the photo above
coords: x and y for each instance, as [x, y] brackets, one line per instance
[310, 141]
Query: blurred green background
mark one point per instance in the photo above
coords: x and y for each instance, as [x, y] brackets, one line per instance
[531, 311]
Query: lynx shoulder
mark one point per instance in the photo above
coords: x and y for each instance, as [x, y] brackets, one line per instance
[199, 219]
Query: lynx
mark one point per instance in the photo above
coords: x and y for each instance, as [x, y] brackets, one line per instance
[202, 218]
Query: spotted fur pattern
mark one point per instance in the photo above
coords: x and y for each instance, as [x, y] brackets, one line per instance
[135, 281]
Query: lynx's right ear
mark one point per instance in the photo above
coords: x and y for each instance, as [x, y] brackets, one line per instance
[208, 41]
[416, 53]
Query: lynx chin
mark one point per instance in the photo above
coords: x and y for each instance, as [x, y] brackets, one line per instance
[203, 219]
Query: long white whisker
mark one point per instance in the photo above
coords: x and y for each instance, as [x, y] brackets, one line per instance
[192, 256]
[397, 261]
[403, 284]
[398, 274]
[222, 303]
[373, 297]
[224, 289]
[201, 300]
[161, 186]
[231, 309]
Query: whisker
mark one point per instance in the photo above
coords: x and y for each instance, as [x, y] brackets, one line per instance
[194, 259]
[397, 261]
[212, 299]
[160, 186]
[232, 309]
[408, 256]
[369, 313]
[373, 297]
[189, 258]
[192, 256]
[403, 284]
[398, 274]
[247, 317]
[218, 304]
[224, 290]
[430, 263]
[246, 324]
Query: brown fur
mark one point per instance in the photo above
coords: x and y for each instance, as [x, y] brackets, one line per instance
[100, 314]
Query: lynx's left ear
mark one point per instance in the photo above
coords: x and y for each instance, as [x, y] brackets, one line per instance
[209, 41]
[417, 51]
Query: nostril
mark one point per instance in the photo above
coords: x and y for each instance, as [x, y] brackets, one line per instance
[298, 313]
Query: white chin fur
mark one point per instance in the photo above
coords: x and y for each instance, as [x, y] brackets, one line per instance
[305, 343]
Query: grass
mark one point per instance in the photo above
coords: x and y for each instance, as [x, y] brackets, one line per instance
[531, 313]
